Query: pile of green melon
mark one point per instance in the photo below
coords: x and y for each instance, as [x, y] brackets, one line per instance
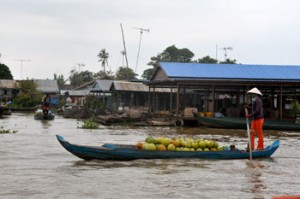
[179, 144]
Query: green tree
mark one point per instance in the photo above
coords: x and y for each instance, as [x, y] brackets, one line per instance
[60, 80]
[77, 78]
[104, 75]
[229, 61]
[172, 54]
[28, 95]
[148, 73]
[296, 107]
[5, 72]
[207, 60]
[103, 55]
[124, 73]
[154, 61]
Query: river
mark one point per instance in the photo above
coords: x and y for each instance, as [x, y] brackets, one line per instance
[34, 165]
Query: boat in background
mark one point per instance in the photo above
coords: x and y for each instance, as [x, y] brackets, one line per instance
[7, 111]
[71, 111]
[39, 115]
[239, 123]
[1, 110]
[130, 152]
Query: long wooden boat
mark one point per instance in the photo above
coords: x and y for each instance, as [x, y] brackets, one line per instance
[7, 112]
[4, 111]
[1, 110]
[40, 116]
[240, 123]
[129, 152]
[71, 111]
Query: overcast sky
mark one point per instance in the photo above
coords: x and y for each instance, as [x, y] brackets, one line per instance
[57, 35]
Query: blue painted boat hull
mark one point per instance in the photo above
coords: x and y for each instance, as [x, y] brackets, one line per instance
[129, 152]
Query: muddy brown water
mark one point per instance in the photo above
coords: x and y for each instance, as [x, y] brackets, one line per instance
[34, 165]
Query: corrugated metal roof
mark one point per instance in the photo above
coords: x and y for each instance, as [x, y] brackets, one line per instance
[86, 85]
[130, 86]
[231, 71]
[8, 84]
[74, 93]
[136, 87]
[101, 86]
[47, 85]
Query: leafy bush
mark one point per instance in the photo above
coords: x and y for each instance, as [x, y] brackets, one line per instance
[28, 95]
[95, 104]
[296, 107]
[2, 130]
[90, 124]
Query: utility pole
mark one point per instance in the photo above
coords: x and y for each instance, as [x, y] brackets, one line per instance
[142, 30]
[125, 52]
[21, 61]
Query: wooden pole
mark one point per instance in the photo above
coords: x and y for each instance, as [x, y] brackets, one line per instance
[153, 99]
[171, 98]
[177, 99]
[281, 103]
[149, 99]
[213, 98]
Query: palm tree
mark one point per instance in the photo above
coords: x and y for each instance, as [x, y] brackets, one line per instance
[103, 55]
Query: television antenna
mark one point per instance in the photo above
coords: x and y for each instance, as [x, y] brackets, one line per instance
[21, 61]
[225, 49]
[80, 66]
[142, 30]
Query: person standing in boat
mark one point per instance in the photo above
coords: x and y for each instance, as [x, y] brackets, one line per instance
[258, 118]
[45, 104]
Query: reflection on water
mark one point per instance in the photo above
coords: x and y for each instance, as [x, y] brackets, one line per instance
[254, 174]
[34, 165]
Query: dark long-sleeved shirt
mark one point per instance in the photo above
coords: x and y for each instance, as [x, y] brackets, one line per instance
[257, 109]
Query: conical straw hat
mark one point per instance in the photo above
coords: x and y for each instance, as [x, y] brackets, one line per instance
[254, 91]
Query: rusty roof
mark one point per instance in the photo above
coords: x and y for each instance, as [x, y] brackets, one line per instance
[8, 84]
[136, 87]
[47, 85]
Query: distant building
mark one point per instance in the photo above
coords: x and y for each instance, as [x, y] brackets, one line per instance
[8, 89]
[137, 94]
[222, 87]
[78, 95]
[50, 87]
[118, 94]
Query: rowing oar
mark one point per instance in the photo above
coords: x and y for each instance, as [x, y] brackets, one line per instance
[249, 137]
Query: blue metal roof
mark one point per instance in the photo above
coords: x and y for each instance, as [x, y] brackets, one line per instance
[231, 71]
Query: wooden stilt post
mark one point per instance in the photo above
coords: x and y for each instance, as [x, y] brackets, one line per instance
[281, 102]
[177, 100]
[171, 98]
